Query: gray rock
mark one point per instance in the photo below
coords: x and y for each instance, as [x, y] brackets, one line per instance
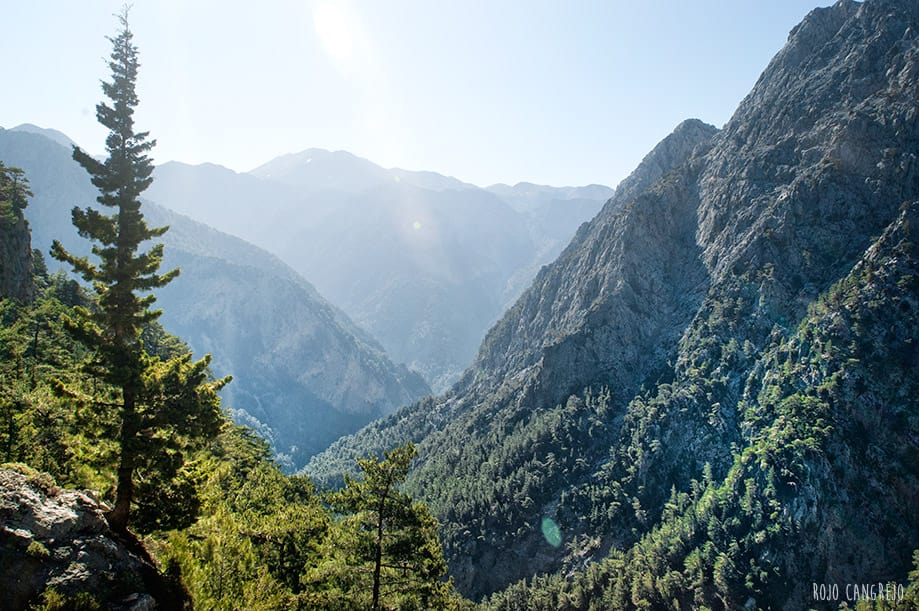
[15, 253]
[59, 539]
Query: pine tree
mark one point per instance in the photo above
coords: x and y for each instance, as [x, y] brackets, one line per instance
[389, 539]
[148, 416]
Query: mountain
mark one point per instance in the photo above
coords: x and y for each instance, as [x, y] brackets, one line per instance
[321, 170]
[51, 134]
[526, 195]
[424, 262]
[709, 398]
[552, 216]
[432, 181]
[304, 374]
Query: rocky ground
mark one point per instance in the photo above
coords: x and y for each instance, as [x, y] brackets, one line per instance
[55, 539]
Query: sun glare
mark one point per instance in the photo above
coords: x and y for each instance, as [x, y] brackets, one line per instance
[336, 31]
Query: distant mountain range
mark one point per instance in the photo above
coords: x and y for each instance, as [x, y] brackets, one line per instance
[426, 263]
[304, 374]
[709, 400]
[422, 261]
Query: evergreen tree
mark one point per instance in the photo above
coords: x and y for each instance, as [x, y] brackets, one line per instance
[159, 402]
[389, 542]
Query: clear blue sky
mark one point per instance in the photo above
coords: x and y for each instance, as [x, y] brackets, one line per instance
[563, 92]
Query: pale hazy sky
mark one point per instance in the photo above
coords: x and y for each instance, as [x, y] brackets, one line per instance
[563, 92]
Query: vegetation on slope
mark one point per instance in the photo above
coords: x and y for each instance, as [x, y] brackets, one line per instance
[97, 395]
[231, 527]
[822, 485]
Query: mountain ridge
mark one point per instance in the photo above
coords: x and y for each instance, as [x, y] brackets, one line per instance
[614, 384]
[304, 373]
[424, 262]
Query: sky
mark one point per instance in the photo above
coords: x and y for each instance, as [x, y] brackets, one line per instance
[563, 92]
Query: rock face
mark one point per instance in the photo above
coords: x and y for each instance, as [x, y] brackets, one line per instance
[59, 539]
[15, 245]
[552, 330]
[15, 258]
[664, 305]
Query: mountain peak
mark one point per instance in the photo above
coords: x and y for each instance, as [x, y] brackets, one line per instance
[51, 134]
[318, 169]
[669, 153]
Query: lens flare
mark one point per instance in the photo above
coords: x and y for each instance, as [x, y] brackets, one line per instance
[551, 532]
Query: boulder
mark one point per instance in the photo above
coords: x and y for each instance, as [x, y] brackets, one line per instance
[55, 539]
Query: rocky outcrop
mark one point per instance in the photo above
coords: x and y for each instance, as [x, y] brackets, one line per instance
[53, 539]
[15, 258]
[15, 239]
[575, 293]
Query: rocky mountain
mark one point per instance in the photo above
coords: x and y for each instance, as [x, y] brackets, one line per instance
[678, 408]
[424, 262]
[59, 540]
[52, 134]
[318, 170]
[304, 374]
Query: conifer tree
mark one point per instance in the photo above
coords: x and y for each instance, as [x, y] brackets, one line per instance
[393, 557]
[158, 401]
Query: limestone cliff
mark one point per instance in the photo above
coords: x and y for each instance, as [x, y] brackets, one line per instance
[15, 239]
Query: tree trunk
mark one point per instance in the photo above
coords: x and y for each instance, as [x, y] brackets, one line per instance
[378, 553]
[119, 516]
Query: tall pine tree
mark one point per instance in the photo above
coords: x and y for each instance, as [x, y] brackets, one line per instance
[150, 421]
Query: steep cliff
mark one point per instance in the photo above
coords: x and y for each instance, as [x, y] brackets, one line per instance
[15, 239]
[624, 373]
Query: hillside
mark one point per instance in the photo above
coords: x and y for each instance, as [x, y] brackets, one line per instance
[304, 373]
[714, 344]
[424, 262]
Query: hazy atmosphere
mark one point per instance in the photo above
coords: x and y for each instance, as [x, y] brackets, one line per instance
[560, 93]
